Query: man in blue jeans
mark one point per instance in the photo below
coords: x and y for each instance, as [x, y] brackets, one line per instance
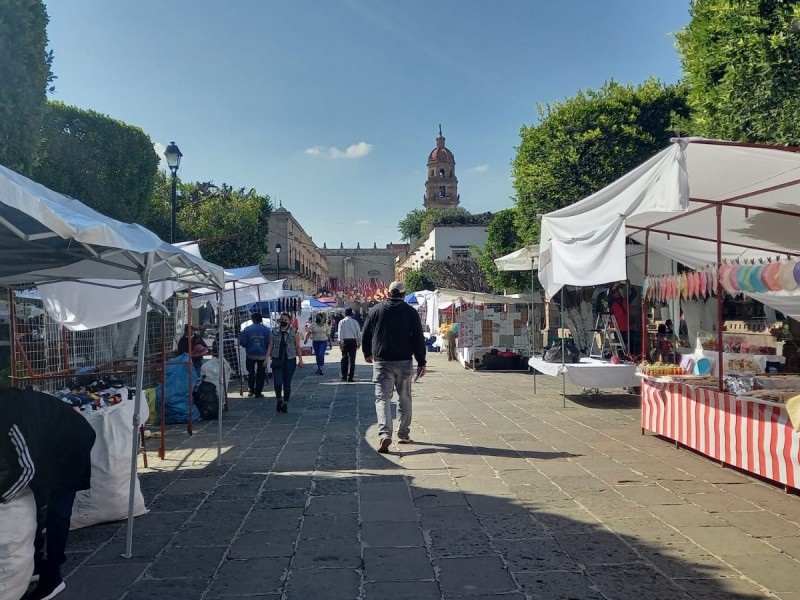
[392, 335]
[255, 340]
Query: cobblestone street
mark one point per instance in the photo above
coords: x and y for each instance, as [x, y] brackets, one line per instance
[503, 495]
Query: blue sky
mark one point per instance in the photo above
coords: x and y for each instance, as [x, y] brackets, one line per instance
[332, 106]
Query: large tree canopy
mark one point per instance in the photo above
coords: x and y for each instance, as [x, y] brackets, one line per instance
[456, 273]
[105, 163]
[503, 238]
[584, 143]
[741, 63]
[24, 77]
[209, 211]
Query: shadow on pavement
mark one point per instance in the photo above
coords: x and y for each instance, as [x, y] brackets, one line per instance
[303, 508]
[606, 400]
[408, 450]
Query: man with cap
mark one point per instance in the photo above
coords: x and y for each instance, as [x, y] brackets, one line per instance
[255, 340]
[392, 336]
[349, 334]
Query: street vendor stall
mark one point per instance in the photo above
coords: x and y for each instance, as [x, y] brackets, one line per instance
[46, 237]
[726, 210]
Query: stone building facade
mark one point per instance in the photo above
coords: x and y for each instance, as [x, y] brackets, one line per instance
[300, 261]
[348, 267]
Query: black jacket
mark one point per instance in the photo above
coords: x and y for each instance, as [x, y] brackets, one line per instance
[44, 443]
[393, 331]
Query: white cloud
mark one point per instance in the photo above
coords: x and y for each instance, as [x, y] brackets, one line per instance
[159, 149]
[479, 169]
[364, 222]
[359, 150]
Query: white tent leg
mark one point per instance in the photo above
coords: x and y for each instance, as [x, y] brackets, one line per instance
[144, 299]
[223, 376]
[563, 368]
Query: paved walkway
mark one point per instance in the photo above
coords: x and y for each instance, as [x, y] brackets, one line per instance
[504, 495]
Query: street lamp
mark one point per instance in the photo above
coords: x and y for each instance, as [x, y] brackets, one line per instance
[278, 261]
[173, 156]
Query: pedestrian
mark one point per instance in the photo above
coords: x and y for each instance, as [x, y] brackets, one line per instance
[392, 335]
[197, 345]
[349, 342]
[286, 355]
[45, 445]
[320, 335]
[255, 340]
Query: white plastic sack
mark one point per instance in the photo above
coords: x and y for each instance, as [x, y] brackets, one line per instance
[107, 500]
[17, 530]
[210, 370]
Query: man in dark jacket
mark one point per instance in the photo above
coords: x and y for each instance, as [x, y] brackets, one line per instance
[255, 340]
[392, 335]
[47, 445]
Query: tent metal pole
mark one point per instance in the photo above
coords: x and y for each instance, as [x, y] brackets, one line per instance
[644, 300]
[144, 299]
[223, 377]
[719, 301]
[474, 309]
[190, 368]
[236, 331]
[563, 367]
[163, 380]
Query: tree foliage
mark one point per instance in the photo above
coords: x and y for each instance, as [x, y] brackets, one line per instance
[741, 62]
[210, 211]
[410, 227]
[24, 78]
[457, 273]
[158, 214]
[584, 143]
[503, 239]
[416, 280]
[419, 223]
[105, 163]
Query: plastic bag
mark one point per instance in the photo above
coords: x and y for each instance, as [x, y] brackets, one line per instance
[17, 530]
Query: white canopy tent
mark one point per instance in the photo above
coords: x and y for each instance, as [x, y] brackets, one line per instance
[698, 202]
[46, 237]
[524, 259]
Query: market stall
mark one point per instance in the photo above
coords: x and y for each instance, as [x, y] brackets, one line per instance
[46, 237]
[726, 210]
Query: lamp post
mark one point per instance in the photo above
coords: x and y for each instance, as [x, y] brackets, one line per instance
[278, 261]
[173, 156]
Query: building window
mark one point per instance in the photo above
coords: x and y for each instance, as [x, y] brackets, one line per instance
[441, 191]
[460, 253]
[431, 172]
[441, 173]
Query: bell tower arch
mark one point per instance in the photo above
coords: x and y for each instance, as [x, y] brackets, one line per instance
[441, 187]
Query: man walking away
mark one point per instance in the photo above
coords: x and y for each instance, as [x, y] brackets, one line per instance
[349, 341]
[255, 339]
[392, 335]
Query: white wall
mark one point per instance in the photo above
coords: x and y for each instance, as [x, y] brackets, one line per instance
[449, 239]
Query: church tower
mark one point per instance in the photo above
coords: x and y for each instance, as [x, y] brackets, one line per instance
[441, 188]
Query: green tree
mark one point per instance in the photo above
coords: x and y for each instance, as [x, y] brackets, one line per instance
[410, 227]
[741, 62]
[105, 163]
[158, 214]
[456, 273]
[24, 78]
[581, 145]
[586, 142]
[416, 280]
[503, 238]
[209, 211]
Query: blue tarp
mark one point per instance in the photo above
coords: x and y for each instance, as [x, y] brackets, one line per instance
[314, 303]
[177, 387]
[411, 299]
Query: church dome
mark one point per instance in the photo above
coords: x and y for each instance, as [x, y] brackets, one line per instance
[441, 154]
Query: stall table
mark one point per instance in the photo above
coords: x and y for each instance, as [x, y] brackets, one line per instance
[753, 436]
[760, 360]
[590, 373]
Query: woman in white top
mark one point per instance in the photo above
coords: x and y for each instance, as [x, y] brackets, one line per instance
[320, 335]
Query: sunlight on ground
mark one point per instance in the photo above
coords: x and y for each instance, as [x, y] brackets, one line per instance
[181, 459]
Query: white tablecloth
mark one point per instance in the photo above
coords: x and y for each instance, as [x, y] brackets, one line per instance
[759, 359]
[591, 373]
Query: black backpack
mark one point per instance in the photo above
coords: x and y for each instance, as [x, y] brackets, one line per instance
[571, 352]
[206, 399]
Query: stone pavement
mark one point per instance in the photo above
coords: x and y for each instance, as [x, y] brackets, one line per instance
[504, 495]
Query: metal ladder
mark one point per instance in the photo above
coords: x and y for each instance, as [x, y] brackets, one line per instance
[611, 340]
